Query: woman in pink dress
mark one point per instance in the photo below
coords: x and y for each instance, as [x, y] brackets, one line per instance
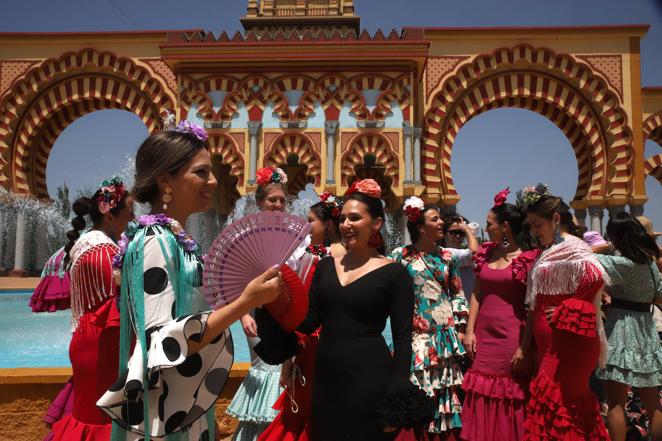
[495, 386]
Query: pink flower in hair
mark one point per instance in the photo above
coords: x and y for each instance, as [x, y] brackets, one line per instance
[368, 187]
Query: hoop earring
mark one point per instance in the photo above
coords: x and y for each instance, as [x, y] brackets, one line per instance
[167, 197]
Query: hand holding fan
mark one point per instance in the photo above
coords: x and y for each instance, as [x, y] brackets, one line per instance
[248, 247]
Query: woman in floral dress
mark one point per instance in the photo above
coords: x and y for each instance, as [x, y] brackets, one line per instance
[440, 314]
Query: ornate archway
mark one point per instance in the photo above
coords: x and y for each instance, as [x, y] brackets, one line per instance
[559, 87]
[294, 153]
[56, 92]
[228, 168]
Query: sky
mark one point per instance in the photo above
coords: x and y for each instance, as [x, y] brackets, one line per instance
[497, 149]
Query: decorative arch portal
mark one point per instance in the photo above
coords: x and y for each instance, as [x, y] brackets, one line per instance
[294, 153]
[228, 168]
[56, 92]
[370, 155]
[653, 167]
[653, 128]
[556, 86]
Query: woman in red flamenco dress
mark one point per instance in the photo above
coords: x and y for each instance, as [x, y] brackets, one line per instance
[564, 294]
[295, 403]
[94, 348]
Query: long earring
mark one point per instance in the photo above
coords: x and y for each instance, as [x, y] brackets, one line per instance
[505, 242]
[167, 197]
[557, 235]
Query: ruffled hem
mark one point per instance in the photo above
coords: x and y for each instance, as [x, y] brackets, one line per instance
[62, 404]
[433, 350]
[501, 387]
[52, 294]
[549, 418]
[576, 316]
[636, 361]
[70, 429]
[279, 431]
[406, 407]
[626, 376]
[256, 396]
[248, 431]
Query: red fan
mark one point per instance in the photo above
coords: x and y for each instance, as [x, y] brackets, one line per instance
[291, 306]
[247, 248]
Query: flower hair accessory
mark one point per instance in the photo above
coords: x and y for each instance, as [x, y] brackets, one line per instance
[111, 193]
[186, 127]
[501, 197]
[414, 208]
[271, 175]
[368, 187]
[331, 204]
[530, 195]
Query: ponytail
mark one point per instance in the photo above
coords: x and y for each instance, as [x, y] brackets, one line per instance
[81, 207]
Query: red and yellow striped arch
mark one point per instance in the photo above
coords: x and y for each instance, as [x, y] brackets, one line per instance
[295, 144]
[369, 143]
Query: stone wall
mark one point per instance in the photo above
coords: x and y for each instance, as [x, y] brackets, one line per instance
[25, 395]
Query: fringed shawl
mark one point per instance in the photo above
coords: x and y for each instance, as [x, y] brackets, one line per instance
[91, 273]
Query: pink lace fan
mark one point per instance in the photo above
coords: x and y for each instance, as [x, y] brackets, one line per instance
[245, 249]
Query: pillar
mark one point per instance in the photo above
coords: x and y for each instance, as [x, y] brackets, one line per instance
[408, 132]
[580, 214]
[253, 133]
[331, 128]
[19, 252]
[417, 154]
[3, 231]
[596, 213]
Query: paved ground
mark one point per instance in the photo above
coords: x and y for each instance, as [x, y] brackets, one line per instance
[12, 283]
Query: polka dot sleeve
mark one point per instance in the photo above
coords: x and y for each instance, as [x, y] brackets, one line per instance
[180, 386]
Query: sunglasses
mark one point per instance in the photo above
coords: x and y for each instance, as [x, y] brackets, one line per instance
[458, 233]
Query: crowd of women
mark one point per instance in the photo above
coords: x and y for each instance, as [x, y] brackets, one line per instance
[499, 341]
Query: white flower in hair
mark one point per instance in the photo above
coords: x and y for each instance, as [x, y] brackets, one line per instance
[168, 119]
[282, 174]
[414, 202]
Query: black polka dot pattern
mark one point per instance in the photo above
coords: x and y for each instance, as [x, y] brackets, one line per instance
[155, 280]
[191, 366]
[132, 412]
[174, 421]
[171, 348]
[118, 385]
[162, 400]
[215, 380]
[132, 389]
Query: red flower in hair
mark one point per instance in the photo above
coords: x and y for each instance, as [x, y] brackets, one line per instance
[412, 213]
[263, 175]
[368, 187]
[501, 197]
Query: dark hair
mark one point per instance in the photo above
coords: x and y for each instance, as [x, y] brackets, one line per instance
[375, 209]
[547, 206]
[451, 219]
[163, 152]
[631, 239]
[412, 227]
[87, 206]
[325, 213]
[509, 213]
[261, 191]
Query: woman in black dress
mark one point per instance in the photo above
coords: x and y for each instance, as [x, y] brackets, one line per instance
[351, 298]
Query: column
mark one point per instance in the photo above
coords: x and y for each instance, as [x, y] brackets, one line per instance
[417, 154]
[253, 132]
[331, 127]
[408, 132]
[596, 213]
[636, 210]
[19, 252]
[580, 214]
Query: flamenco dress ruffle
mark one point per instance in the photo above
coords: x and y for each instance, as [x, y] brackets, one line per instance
[53, 292]
[94, 354]
[562, 407]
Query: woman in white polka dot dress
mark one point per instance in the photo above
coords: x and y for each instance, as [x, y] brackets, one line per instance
[168, 384]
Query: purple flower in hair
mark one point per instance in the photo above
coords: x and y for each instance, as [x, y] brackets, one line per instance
[193, 129]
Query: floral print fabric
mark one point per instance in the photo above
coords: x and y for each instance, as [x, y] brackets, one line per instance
[439, 310]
